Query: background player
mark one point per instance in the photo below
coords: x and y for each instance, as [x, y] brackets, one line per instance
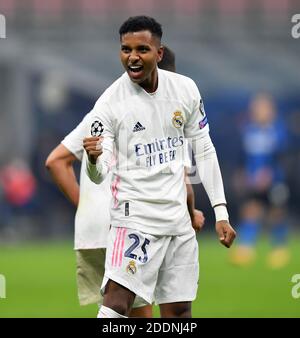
[261, 182]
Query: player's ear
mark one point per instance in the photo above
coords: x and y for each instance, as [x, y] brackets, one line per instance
[160, 53]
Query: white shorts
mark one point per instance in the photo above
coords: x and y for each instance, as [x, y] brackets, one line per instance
[160, 269]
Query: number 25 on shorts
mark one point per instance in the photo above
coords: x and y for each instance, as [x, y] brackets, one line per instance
[136, 242]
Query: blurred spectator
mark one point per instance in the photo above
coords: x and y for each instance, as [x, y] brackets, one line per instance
[261, 184]
[293, 161]
[18, 188]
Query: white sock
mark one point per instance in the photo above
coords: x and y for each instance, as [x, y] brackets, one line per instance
[106, 312]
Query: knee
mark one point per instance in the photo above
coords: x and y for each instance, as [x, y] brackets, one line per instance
[119, 307]
[176, 310]
[118, 304]
[118, 298]
[183, 311]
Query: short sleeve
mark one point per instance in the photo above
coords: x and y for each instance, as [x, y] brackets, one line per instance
[74, 140]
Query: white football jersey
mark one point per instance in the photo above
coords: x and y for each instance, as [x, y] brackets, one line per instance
[92, 220]
[148, 132]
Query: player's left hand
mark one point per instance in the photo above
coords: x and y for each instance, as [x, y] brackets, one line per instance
[226, 233]
[198, 220]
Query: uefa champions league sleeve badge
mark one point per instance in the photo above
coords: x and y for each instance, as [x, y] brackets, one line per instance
[201, 108]
[97, 129]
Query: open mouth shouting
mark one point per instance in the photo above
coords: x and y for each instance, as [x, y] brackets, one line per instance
[135, 71]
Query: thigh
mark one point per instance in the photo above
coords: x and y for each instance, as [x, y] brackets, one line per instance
[179, 273]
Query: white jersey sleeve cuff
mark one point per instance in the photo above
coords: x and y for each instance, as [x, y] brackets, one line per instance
[95, 171]
[221, 213]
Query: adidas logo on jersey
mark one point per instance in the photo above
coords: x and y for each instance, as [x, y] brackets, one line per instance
[138, 127]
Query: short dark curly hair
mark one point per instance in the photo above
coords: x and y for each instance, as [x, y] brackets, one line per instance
[141, 23]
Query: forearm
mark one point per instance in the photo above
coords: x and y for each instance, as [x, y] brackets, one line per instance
[210, 175]
[64, 176]
[97, 172]
[190, 197]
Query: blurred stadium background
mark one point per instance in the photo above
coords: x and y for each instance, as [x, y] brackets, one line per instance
[56, 60]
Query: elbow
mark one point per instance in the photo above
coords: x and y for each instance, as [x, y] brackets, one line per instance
[50, 162]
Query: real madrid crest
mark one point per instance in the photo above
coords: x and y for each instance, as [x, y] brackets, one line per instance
[131, 268]
[178, 119]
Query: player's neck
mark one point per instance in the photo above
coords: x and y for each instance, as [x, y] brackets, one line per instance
[150, 85]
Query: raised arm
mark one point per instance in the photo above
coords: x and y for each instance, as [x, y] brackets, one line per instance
[99, 145]
[97, 166]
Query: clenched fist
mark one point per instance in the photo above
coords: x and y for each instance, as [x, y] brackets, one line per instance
[198, 219]
[93, 147]
[225, 233]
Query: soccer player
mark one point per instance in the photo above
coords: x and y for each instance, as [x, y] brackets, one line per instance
[264, 140]
[91, 231]
[145, 116]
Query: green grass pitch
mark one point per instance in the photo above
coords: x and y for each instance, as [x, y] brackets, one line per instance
[40, 282]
